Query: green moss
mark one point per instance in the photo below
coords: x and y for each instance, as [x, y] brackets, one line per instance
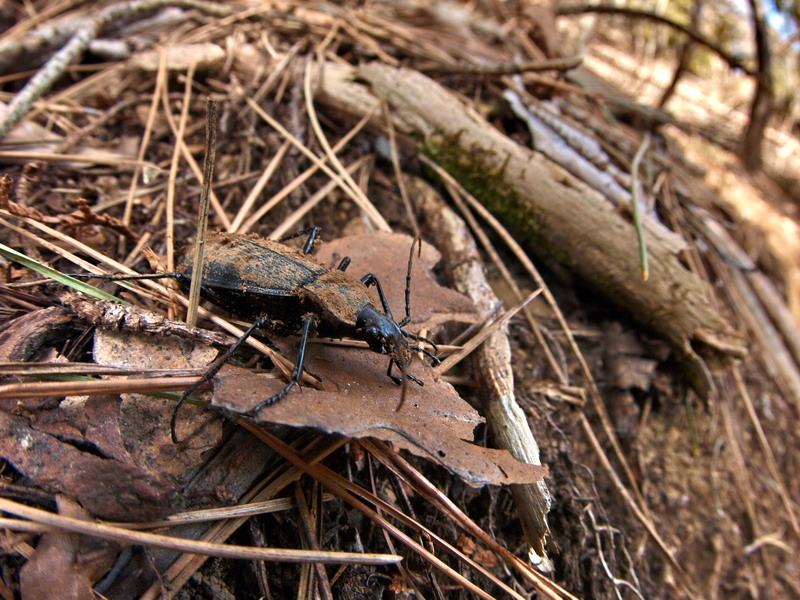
[475, 169]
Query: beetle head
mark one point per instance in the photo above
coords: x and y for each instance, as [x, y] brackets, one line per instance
[383, 335]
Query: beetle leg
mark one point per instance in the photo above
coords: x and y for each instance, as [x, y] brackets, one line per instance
[312, 237]
[344, 264]
[209, 374]
[308, 245]
[428, 353]
[399, 380]
[425, 351]
[419, 338]
[298, 368]
[369, 280]
[395, 378]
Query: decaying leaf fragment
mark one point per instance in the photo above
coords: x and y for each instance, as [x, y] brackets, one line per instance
[66, 561]
[112, 488]
[114, 454]
[433, 422]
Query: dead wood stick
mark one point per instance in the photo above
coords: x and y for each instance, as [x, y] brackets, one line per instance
[116, 317]
[550, 208]
[492, 360]
[46, 77]
[503, 68]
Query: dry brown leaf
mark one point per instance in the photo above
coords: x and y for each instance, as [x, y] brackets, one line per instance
[107, 488]
[65, 564]
[434, 421]
[115, 456]
[22, 338]
[466, 544]
[487, 558]
[144, 421]
[399, 585]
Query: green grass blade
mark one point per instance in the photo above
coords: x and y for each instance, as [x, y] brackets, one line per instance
[76, 284]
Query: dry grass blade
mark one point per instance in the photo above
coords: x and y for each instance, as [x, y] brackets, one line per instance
[353, 188]
[248, 509]
[209, 163]
[161, 79]
[423, 486]
[457, 193]
[469, 346]
[354, 192]
[173, 170]
[190, 546]
[291, 221]
[56, 368]
[526, 262]
[654, 498]
[263, 180]
[635, 501]
[33, 265]
[99, 159]
[300, 179]
[182, 149]
[630, 501]
[307, 525]
[282, 363]
[772, 465]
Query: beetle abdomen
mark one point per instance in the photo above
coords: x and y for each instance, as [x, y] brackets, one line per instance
[253, 277]
[256, 265]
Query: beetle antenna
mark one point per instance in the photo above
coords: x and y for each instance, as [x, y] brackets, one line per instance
[418, 242]
[124, 277]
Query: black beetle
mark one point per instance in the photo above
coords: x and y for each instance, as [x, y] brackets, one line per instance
[284, 290]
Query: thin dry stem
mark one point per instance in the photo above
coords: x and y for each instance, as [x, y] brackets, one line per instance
[772, 465]
[424, 487]
[255, 192]
[127, 536]
[173, 170]
[300, 179]
[161, 83]
[284, 365]
[355, 194]
[352, 187]
[49, 389]
[469, 346]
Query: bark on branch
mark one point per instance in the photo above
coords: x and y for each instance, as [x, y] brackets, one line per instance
[733, 61]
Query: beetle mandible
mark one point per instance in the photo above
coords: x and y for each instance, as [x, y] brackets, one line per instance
[284, 290]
